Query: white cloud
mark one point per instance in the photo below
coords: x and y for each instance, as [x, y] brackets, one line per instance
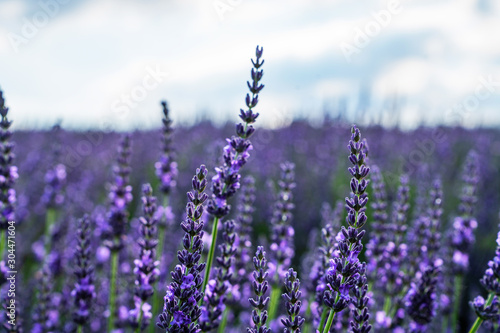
[91, 53]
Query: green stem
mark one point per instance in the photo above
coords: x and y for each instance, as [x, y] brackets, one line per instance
[79, 330]
[273, 304]
[387, 305]
[479, 321]
[223, 323]
[329, 322]
[138, 329]
[211, 253]
[323, 318]
[112, 290]
[50, 218]
[3, 243]
[456, 302]
[157, 300]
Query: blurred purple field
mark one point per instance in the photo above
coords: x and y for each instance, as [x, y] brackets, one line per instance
[387, 230]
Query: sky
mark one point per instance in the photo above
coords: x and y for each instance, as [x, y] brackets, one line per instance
[106, 64]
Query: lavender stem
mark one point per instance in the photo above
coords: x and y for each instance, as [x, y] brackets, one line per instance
[112, 290]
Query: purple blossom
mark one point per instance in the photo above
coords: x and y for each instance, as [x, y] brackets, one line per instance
[8, 172]
[120, 196]
[236, 152]
[145, 270]
[181, 310]
[166, 167]
[282, 231]
[292, 296]
[260, 287]
[345, 272]
[465, 224]
[421, 299]
[84, 290]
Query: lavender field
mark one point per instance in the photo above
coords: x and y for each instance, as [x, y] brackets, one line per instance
[306, 228]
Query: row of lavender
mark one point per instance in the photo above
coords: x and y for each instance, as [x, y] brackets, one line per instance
[401, 265]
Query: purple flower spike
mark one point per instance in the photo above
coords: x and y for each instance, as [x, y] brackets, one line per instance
[292, 298]
[260, 287]
[84, 290]
[166, 167]
[46, 317]
[378, 240]
[120, 196]
[244, 220]
[181, 310]
[346, 274]
[145, 270]
[421, 299]
[465, 224]
[282, 247]
[55, 181]
[8, 172]
[236, 152]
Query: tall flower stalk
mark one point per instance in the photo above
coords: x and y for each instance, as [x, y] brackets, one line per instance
[84, 290]
[293, 303]
[236, 153]
[8, 176]
[421, 299]
[463, 230]
[146, 266]
[166, 171]
[120, 196]
[344, 271]
[181, 310]
[282, 246]
[260, 287]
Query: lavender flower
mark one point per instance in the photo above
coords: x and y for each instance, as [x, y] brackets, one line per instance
[244, 220]
[215, 297]
[46, 317]
[166, 167]
[260, 286]
[344, 271]
[486, 310]
[120, 196]
[421, 299]
[282, 231]
[391, 276]
[462, 236]
[236, 153]
[55, 180]
[292, 298]
[166, 171]
[435, 211]
[181, 309]
[378, 240]
[146, 271]
[84, 290]
[8, 172]
[282, 246]
[360, 300]
[464, 225]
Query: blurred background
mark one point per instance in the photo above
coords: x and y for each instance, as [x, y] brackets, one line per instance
[106, 64]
